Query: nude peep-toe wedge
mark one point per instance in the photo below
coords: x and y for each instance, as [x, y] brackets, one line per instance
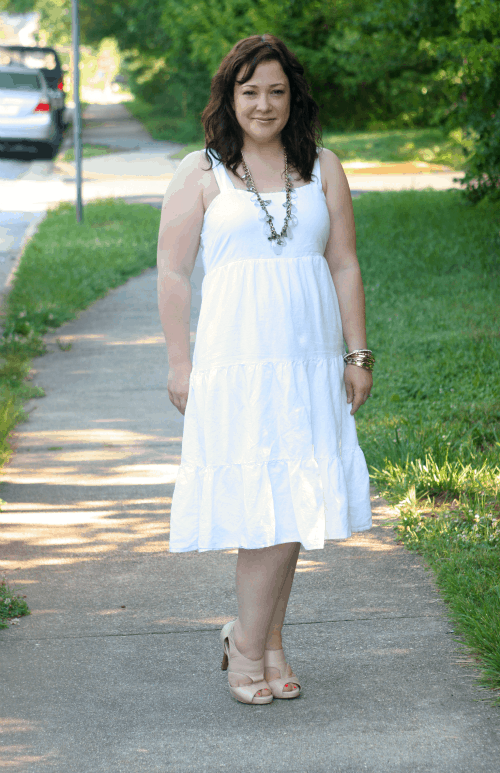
[242, 666]
[276, 659]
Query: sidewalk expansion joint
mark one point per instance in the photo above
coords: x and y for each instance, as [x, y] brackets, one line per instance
[215, 630]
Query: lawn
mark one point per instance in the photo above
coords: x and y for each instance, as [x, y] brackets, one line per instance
[428, 146]
[431, 431]
[431, 145]
[163, 126]
[87, 152]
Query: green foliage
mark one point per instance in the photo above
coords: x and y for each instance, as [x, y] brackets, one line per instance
[431, 145]
[433, 62]
[477, 105]
[55, 16]
[431, 269]
[393, 64]
[436, 475]
[464, 552]
[87, 152]
[11, 605]
[404, 145]
[66, 267]
[431, 431]
[162, 125]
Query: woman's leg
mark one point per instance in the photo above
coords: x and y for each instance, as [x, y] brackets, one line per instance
[260, 578]
[274, 635]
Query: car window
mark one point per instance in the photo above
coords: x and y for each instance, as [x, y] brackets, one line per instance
[20, 81]
[35, 59]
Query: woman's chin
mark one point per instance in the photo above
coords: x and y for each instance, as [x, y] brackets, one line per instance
[263, 134]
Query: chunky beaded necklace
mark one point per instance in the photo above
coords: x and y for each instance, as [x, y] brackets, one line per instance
[276, 239]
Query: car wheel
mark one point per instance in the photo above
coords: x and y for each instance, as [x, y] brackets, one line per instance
[46, 151]
[61, 123]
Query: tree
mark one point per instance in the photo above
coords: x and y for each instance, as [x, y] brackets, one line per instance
[370, 62]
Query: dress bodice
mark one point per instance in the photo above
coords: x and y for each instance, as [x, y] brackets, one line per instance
[232, 230]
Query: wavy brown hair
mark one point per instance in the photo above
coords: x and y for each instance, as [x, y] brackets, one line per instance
[224, 135]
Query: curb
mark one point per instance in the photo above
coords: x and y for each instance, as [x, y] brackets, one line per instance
[28, 235]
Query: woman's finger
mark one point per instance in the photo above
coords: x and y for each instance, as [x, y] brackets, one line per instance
[360, 399]
[349, 391]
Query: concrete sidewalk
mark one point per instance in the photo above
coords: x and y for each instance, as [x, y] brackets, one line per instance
[138, 166]
[118, 666]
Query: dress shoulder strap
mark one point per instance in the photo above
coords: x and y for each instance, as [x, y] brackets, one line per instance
[223, 180]
[317, 172]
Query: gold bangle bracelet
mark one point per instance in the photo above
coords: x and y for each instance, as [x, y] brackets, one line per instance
[363, 358]
[365, 365]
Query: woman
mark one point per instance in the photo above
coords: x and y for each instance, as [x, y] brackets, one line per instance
[270, 458]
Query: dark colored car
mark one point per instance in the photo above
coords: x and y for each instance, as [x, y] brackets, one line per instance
[45, 59]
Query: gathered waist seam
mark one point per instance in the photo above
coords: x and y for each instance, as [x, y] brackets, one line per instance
[275, 259]
[330, 458]
[268, 361]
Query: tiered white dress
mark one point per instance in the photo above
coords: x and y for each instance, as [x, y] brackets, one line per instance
[269, 450]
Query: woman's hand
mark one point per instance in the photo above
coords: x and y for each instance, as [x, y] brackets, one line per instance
[178, 384]
[358, 385]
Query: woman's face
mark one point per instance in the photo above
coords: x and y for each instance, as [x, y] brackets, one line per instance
[262, 104]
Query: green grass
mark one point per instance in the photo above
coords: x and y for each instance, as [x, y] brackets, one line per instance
[87, 152]
[64, 269]
[406, 145]
[430, 145]
[163, 126]
[67, 266]
[12, 605]
[431, 431]
[15, 388]
[463, 551]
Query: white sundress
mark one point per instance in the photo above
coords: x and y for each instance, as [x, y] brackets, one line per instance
[269, 450]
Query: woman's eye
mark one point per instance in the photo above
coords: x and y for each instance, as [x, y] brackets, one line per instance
[276, 91]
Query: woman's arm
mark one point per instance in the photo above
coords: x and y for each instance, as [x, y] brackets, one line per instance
[342, 260]
[178, 243]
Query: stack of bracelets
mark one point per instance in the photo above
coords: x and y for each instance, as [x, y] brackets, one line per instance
[362, 357]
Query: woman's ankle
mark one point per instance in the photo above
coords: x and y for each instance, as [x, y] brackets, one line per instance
[274, 641]
[244, 645]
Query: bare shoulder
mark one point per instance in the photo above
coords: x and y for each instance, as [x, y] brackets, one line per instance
[330, 165]
[333, 178]
[193, 172]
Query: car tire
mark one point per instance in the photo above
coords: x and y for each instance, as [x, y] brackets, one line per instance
[47, 150]
[61, 123]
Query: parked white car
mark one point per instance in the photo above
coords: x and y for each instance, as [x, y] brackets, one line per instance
[27, 112]
[46, 60]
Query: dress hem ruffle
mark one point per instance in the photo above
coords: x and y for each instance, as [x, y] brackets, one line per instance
[261, 547]
[271, 502]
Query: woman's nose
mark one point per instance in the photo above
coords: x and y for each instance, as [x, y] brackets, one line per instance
[263, 103]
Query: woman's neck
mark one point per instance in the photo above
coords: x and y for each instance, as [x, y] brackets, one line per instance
[270, 152]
